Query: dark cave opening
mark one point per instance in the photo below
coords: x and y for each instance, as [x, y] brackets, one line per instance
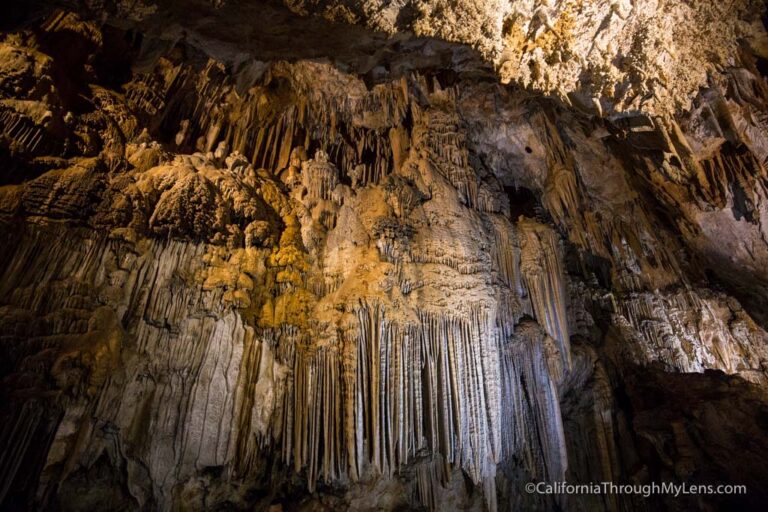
[522, 201]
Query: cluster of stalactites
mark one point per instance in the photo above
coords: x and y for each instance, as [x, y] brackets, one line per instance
[27, 137]
[532, 425]
[440, 136]
[204, 111]
[386, 393]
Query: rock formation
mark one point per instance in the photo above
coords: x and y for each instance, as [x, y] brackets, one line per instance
[382, 255]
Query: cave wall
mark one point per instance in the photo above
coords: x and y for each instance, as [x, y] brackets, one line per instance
[385, 281]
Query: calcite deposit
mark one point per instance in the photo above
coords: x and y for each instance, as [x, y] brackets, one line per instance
[382, 255]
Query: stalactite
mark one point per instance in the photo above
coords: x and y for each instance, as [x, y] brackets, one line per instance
[729, 176]
[15, 440]
[506, 254]
[438, 133]
[561, 196]
[27, 136]
[660, 328]
[224, 284]
[398, 389]
[317, 433]
[320, 177]
[531, 370]
[428, 386]
[543, 275]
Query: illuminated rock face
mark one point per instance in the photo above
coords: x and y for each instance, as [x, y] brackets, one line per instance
[237, 276]
[602, 56]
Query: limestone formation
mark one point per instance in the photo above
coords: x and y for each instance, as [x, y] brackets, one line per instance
[368, 255]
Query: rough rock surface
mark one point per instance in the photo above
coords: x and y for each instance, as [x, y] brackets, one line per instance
[603, 56]
[321, 256]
